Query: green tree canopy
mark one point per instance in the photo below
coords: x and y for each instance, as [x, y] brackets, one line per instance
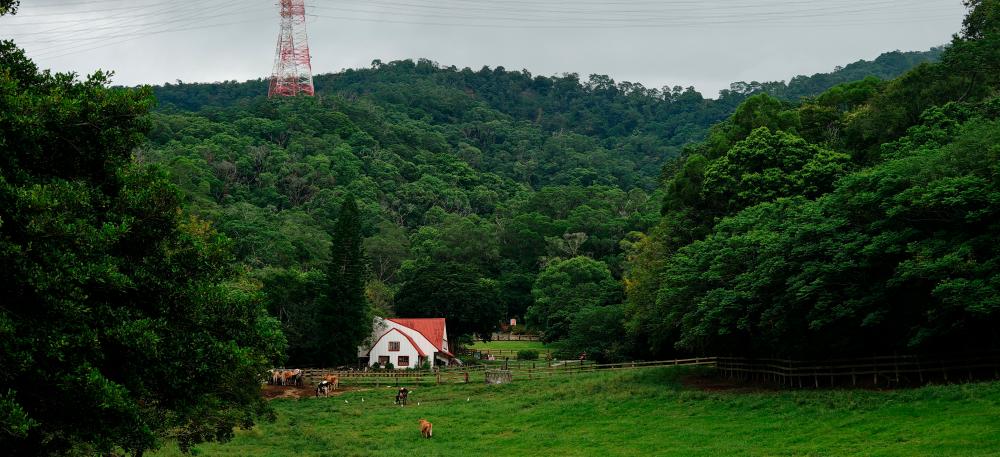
[115, 301]
[564, 288]
[768, 165]
[454, 291]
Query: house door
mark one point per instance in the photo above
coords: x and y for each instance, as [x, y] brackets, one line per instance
[382, 360]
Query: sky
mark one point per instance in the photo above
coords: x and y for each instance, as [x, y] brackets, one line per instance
[706, 44]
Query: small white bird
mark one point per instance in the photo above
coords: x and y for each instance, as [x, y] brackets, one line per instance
[418, 403]
[362, 399]
[345, 401]
[467, 399]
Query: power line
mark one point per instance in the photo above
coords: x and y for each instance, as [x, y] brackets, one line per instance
[934, 18]
[582, 22]
[139, 30]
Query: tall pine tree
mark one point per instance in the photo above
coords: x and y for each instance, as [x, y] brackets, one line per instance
[345, 316]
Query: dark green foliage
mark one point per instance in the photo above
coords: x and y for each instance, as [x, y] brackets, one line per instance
[769, 244]
[527, 354]
[765, 166]
[564, 288]
[627, 128]
[9, 6]
[115, 302]
[454, 291]
[599, 331]
[294, 297]
[898, 257]
[344, 318]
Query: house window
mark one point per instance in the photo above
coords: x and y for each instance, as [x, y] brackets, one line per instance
[403, 361]
[383, 359]
[394, 346]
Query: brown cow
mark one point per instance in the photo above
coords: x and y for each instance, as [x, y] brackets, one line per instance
[426, 428]
[295, 376]
[333, 379]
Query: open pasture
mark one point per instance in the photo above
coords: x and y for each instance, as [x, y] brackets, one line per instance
[509, 345]
[653, 411]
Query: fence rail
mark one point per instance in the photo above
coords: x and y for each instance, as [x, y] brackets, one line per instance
[877, 371]
[886, 371]
[519, 370]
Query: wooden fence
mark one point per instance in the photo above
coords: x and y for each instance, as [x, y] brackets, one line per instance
[879, 371]
[886, 371]
[519, 371]
[514, 337]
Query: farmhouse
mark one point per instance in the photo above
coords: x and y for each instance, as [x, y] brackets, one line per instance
[407, 343]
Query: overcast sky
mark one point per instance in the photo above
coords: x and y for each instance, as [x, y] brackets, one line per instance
[706, 44]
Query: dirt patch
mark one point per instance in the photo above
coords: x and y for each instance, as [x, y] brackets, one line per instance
[271, 392]
[709, 383]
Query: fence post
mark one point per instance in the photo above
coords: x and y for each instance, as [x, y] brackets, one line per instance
[895, 366]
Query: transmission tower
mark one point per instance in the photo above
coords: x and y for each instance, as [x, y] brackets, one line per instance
[292, 68]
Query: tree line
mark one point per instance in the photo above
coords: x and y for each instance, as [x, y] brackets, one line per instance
[859, 221]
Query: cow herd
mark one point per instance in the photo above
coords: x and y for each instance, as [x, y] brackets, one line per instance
[284, 377]
[280, 377]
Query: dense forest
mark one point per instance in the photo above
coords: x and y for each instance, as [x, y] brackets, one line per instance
[476, 188]
[155, 237]
[860, 221]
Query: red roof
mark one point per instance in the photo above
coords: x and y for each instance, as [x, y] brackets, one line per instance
[431, 328]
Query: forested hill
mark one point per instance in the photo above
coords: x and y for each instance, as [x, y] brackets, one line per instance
[643, 125]
[470, 183]
[519, 93]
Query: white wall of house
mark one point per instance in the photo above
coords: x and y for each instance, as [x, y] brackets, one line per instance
[406, 349]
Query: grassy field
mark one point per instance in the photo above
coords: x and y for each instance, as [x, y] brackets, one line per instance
[639, 412]
[510, 345]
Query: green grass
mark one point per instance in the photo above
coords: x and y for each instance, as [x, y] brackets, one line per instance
[641, 412]
[510, 345]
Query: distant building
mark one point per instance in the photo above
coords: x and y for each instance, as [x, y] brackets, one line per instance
[407, 343]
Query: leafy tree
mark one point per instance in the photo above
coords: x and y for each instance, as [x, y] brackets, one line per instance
[564, 288]
[897, 257]
[772, 246]
[345, 317]
[8, 6]
[294, 298]
[600, 332]
[453, 291]
[115, 300]
[386, 251]
[768, 165]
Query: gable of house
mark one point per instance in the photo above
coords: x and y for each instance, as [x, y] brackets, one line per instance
[432, 329]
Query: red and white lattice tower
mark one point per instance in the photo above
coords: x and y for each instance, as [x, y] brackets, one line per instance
[292, 67]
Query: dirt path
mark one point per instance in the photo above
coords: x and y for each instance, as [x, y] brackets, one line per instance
[271, 392]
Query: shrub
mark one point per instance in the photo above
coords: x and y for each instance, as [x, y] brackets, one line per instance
[527, 354]
[389, 366]
[376, 366]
